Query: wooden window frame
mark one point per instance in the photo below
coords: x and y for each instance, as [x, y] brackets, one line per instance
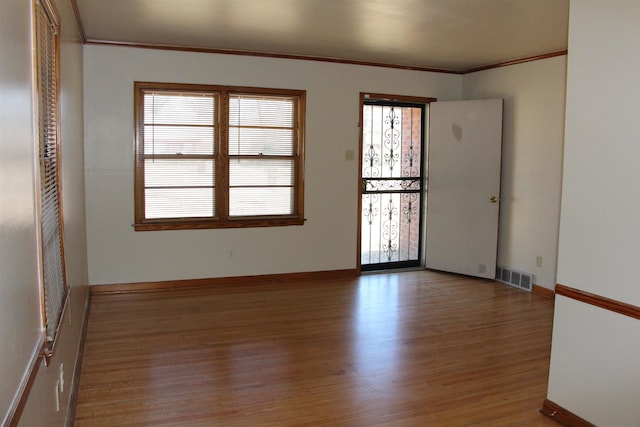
[54, 285]
[221, 159]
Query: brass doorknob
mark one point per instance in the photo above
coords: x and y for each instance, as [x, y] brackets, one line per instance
[493, 199]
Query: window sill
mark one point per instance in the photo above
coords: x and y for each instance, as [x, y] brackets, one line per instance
[161, 225]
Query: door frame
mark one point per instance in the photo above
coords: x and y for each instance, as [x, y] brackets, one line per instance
[365, 96]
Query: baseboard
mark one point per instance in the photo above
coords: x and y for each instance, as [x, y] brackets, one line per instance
[73, 399]
[217, 281]
[542, 291]
[561, 416]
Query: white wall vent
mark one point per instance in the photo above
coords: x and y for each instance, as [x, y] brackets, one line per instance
[515, 278]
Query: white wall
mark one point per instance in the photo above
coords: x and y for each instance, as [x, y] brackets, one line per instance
[595, 364]
[534, 102]
[20, 324]
[600, 227]
[19, 297]
[327, 241]
[597, 374]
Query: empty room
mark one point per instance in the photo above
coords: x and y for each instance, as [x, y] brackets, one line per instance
[319, 212]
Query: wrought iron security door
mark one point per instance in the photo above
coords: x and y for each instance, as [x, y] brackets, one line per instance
[392, 147]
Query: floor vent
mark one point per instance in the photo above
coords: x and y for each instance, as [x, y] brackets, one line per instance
[514, 278]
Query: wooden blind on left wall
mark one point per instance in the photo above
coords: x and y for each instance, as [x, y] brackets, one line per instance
[53, 266]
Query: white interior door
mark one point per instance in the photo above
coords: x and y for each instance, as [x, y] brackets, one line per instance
[463, 187]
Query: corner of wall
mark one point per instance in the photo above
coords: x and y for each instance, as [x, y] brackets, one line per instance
[52, 395]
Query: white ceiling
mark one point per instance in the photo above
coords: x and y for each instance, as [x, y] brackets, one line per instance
[444, 34]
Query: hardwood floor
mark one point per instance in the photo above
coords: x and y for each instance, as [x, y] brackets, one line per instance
[403, 349]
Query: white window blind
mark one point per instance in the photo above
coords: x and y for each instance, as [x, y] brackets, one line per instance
[179, 154]
[261, 150]
[54, 280]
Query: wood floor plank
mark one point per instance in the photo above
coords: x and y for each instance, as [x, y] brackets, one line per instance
[402, 349]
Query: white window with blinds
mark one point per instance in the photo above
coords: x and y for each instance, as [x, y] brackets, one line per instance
[54, 282]
[212, 156]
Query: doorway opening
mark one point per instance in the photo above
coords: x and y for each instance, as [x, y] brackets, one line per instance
[393, 145]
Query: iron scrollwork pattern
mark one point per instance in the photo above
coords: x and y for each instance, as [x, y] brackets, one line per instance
[410, 206]
[369, 208]
[392, 139]
[390, 230]
[391, 185]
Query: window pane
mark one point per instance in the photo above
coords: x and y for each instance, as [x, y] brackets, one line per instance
[179, 108]
[261, 201]
[246, 110]
[178, 173]
[252, 141]
[257, 172]
[179, 203]
[178, 140]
